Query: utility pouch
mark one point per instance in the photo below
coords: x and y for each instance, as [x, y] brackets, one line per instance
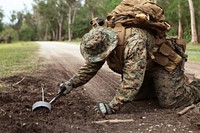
[182, 43]
[175, 58]
[167, 57]
[169, 52]
[161, 59]
[170, 66]
[165, 62]
[165, 49]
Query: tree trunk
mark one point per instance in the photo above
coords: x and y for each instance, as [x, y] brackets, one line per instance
[198, 32]
[46, 32]
[74, 14]
[60, 22]
[180, 28]
[57, 32]
[69, 24]
[92, 13]
[53, 35]
[193, 23]
[17, 35]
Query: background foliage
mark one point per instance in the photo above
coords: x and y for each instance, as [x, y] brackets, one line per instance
[69, 19]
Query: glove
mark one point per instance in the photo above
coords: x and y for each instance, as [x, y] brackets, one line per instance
[104, 109]
[65, 87]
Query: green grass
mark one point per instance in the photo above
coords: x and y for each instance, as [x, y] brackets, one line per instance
[193, 47]
[193, 51]
[17, 58]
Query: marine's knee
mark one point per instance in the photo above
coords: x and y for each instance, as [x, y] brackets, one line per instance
[167, 102]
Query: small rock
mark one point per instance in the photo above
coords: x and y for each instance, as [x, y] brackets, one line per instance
[169, 125]
[143, 117]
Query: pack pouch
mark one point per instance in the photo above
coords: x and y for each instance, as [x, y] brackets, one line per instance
[165, 62]
[167, 57]
[170, 53]
[160, 59]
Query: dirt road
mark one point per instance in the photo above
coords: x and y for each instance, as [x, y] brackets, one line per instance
[192, 70]
[74, 112]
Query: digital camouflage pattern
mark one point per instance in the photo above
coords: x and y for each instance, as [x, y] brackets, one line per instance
[97, 44]
[135, 61]
[171, 88]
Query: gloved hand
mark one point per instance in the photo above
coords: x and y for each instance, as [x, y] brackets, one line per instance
[65, 87]
[104, 109]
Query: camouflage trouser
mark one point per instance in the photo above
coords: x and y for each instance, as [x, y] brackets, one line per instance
[171, 89]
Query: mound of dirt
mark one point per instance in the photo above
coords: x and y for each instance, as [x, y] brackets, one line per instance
[69, 113]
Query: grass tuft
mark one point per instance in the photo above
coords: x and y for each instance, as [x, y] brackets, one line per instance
[17, 58]
[193, 51]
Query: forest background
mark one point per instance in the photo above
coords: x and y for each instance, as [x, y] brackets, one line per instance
[61, 20]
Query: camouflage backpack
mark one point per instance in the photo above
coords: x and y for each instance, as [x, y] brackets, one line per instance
[139, 13]
[146, 15]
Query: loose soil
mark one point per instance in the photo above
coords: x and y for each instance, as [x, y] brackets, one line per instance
[74, 112]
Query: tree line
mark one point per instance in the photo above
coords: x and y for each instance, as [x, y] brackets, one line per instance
[69, 19]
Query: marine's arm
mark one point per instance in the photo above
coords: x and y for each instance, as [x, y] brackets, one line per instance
[135, 56]
[84, 74]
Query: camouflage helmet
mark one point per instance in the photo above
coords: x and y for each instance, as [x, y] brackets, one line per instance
[98, 44]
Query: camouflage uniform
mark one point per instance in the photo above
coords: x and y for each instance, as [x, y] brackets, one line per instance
[170, 87]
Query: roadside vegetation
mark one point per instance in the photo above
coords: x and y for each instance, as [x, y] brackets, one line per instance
[61, 20]
[16, 58]
[193, 52]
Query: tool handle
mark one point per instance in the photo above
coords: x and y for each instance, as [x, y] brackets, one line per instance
[55, 98]
[42, 86]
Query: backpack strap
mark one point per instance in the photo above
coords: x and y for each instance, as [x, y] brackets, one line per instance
[122, 33]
